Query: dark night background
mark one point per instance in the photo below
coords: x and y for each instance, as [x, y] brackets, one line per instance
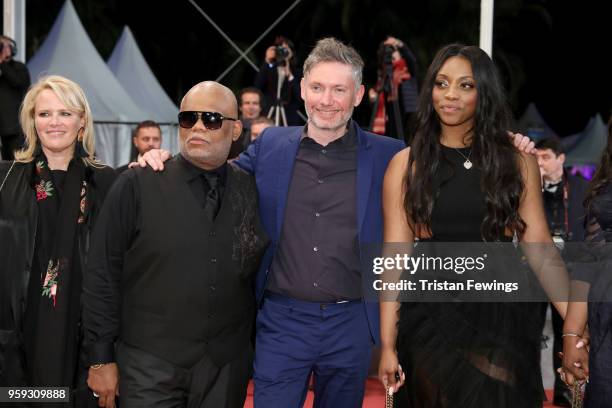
[553, 53]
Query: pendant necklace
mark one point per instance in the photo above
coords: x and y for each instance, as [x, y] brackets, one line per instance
[467, 163]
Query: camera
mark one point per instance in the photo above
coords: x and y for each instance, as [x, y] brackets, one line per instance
[282, 53]
[388, 54]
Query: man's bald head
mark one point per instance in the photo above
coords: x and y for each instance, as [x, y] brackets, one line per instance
[209, 148]
[212, 89]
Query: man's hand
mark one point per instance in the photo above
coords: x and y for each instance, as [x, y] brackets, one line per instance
[394, 42]
[154, 158]
[372, 95]
[104, 382]
[270, 54]
[523, 143]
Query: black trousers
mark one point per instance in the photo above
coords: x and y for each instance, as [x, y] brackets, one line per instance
[149, 381]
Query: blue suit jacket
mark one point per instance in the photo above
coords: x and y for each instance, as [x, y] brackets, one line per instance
[271, 158]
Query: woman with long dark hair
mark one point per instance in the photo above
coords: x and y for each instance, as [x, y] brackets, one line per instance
[462, 180]
[598, 312]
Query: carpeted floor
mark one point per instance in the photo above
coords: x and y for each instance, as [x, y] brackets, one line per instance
[374, 398]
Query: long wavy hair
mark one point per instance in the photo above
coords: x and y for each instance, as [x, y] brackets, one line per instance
[492, 150]
[603, 175]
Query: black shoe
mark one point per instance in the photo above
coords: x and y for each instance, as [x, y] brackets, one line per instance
[562, 398]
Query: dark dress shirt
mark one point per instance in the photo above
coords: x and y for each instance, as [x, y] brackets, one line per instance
[318, 254]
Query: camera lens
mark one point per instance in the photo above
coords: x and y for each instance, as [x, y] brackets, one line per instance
[282, 53]
[388, 54]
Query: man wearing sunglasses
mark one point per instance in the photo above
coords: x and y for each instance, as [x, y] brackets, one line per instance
[169, 303]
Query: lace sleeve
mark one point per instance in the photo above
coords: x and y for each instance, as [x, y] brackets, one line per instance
[583, 258]
[594, 233]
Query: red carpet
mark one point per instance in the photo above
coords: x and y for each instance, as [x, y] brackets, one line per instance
[374, 398]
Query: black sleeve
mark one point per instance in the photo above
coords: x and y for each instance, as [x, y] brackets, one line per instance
[410, 58]
[262, 78]
[116, 227]
[294, 86]
[587, 259]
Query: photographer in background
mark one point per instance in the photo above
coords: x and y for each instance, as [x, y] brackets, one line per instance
[14, 82]
[280, 72]
[394, 98]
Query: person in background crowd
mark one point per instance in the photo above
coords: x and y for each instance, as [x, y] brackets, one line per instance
[249, 104]
[394, 98]
[14, 82]
[145, 137]
[50, 199]
[280, 71]
[259, 125]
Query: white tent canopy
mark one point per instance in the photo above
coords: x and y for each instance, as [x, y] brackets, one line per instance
[69, 52]
[533, 125]
[569, 142]
[132, 71]
[591, 144]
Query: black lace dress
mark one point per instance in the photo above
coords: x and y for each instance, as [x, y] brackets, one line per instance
[467, 354]
[599, 236]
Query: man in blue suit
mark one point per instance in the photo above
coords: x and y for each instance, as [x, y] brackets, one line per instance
[320, 197]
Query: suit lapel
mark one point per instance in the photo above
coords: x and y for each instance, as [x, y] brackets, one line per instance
[364, 176]
[286, 160]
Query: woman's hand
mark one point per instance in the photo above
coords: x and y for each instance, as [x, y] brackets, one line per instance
[575, 359]
[389, 371]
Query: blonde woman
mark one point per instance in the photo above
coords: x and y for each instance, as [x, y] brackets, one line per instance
[49, 198]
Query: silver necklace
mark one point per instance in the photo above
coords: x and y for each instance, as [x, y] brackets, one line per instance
[467, 163]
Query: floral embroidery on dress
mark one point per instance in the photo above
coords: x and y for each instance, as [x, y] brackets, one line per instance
[39, 166]
[50, 282]
[83, 204]
[44, 188]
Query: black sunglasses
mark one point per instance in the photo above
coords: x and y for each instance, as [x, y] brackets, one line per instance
[211, 120]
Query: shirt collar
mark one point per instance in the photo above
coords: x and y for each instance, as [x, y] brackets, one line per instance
[194, 171]
[349, 139]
